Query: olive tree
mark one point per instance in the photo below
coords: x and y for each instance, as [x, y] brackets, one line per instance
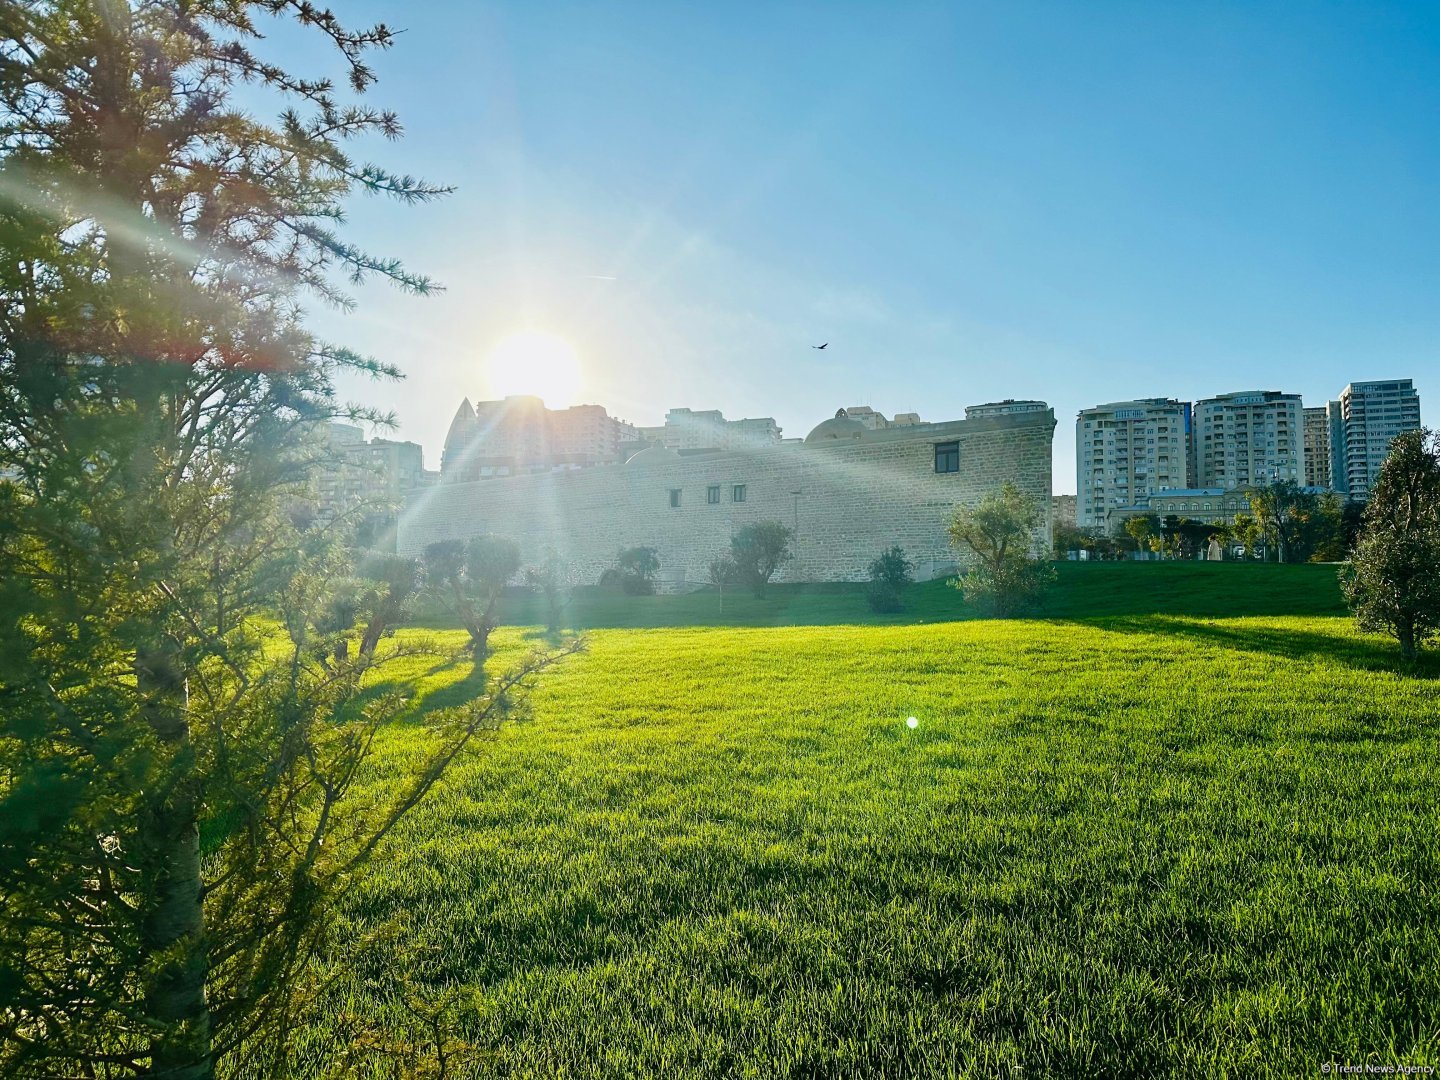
[997, 536]
[468, 577]
[757, 551]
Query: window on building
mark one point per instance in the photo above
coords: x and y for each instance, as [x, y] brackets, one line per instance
[737, 493]
[947, 457]
[674, 496]
[712, 493]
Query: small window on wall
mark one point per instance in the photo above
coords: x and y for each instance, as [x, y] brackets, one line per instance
[737, 493]
[712, 494]
[947, 457]
[674, 496]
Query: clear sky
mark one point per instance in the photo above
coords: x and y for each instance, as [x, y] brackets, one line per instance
[1073, 202]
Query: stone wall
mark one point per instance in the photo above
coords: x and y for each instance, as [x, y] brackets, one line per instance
[855, 498]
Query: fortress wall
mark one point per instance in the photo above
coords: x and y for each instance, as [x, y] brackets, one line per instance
[856, 499]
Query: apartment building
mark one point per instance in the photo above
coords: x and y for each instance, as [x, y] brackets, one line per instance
[1316, 439]
[1248, 438]
[1128, 450]
[1365, 421]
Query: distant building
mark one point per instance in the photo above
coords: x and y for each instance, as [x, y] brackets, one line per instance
[1316, 440]
[1248, 438]
[1127, 450]
[1008, 407]
[520, 435]
[849, 491]
[707, 429]
[366, 481]
[1370, 415]
[1062, 510]
[1214, 506]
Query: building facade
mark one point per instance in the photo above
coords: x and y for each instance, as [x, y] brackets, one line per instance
[366, 481]
[1370, 415]
[707, 429]
[848, 492]
[1247, 439]
[520, 435]
[1316, 439]
[1127, 450]
[1008, 407]
[1214, 506]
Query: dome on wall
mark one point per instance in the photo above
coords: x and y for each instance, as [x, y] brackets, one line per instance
[837, 427]
[653, 455]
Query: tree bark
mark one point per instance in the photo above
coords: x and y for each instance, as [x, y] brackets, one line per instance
[1407, 641]
[172, 927]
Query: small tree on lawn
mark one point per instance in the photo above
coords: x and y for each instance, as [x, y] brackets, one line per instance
[638, 567]
[997, 535]
[757, 551]
[1393, 582]
[889, 575]
[388, 585]
[722, 572]
[549, 582]
[468, 577]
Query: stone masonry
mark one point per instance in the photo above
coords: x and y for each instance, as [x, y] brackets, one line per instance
[849, 493]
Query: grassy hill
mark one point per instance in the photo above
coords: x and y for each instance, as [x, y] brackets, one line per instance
[1143, 844]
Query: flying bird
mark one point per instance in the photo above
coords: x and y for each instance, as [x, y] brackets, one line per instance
[819, 346]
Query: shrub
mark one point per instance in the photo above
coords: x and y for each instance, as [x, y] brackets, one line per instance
[638, 567]
[889, 574]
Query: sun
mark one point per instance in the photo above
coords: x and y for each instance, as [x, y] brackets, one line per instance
[535, 362]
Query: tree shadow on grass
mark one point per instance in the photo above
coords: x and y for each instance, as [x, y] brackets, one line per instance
[1360, 653]
[459, 692]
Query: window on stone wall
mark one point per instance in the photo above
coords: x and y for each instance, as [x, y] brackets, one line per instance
[947, 457]
[712, 494]
[737, 493]
[674, 496]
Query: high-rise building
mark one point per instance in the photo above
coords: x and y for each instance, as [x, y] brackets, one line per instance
[1371, 414]
[707, 429]
[1128, 450]
[520, 435]
[1248, 438]
[364, 482]
[1317, 446]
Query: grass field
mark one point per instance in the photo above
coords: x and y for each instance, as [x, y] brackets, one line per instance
[1176, 837]
[1083, 591]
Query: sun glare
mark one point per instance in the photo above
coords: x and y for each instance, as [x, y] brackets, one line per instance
[535, 362]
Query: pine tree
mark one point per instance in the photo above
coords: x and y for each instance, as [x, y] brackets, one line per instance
[174, 821]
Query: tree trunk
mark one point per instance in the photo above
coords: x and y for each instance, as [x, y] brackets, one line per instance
[374, 630]
[1406, 634]
[172, 927]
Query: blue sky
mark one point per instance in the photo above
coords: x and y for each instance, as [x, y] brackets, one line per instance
[1075, 202]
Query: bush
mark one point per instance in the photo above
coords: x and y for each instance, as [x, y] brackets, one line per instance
[638, 567]
[889, 574]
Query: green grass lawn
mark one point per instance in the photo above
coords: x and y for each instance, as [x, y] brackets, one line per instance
[1083, 590]
[1152, 842]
